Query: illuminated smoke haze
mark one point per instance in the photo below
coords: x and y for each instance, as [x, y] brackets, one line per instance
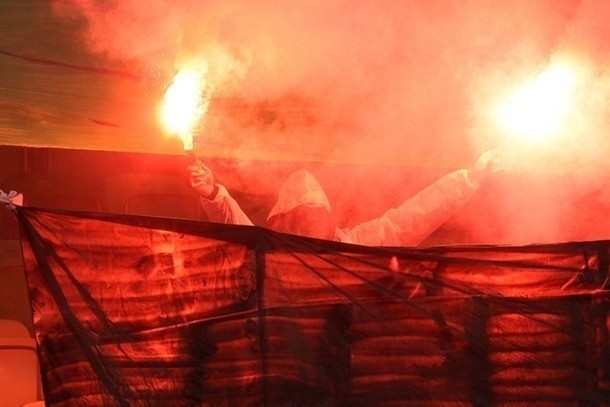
[407, 83]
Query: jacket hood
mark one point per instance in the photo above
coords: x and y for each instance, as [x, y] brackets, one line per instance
[301, 188]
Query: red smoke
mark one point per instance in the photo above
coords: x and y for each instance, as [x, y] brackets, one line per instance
[383, 82]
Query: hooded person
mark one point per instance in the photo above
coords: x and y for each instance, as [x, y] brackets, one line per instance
[303, 209]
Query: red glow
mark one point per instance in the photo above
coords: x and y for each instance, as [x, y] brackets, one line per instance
[184, 104]
[538, 109]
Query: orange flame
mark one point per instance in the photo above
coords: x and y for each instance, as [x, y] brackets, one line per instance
[184, 104]
[538, 109]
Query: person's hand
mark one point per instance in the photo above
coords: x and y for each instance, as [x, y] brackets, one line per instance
[487, 163]
[201, 179]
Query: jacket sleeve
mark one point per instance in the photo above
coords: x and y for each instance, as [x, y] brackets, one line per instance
[418, 216]
[224, 209]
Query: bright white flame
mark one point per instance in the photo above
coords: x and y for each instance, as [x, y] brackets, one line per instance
[184, 105]
[538, 109]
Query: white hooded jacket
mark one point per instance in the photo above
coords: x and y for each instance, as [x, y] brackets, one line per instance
[407, 225]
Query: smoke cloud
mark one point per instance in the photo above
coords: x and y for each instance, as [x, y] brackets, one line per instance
[408, 83]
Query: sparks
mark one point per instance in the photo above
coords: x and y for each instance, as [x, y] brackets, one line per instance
[184, 104]
[538, 109]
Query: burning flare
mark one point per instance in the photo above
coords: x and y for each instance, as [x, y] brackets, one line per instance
[184, 104]
[538, 109]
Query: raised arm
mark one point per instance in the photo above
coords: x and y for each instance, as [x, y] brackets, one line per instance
[422, 214]
[215, 200]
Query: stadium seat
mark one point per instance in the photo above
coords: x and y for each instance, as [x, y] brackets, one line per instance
[19, 372]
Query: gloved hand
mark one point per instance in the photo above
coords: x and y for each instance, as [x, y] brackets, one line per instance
[487, 163]
[202, 179]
